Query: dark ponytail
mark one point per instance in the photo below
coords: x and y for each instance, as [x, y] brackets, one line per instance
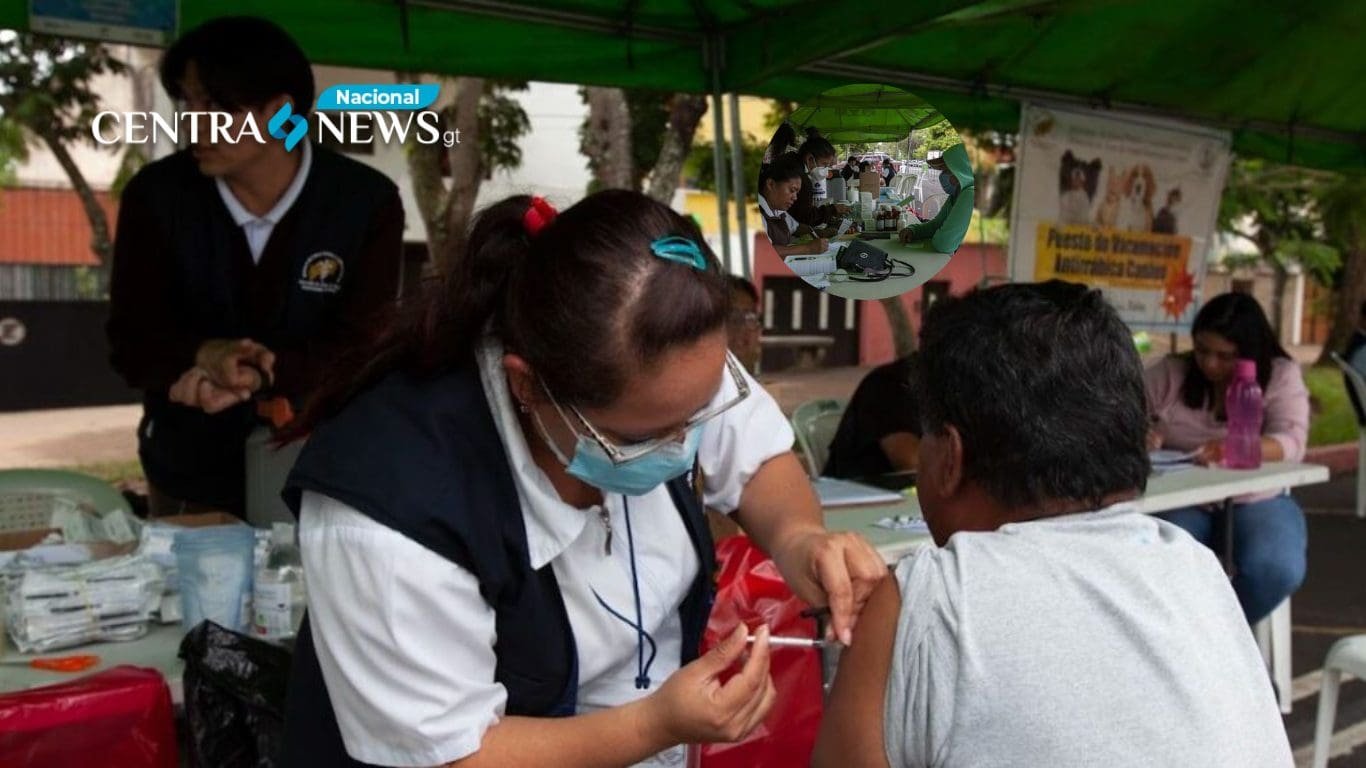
[584, 301]
[784, 139]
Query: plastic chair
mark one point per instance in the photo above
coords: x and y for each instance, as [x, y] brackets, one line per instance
[1347, 655]
[1273, 639]
[815, 422]
[27, 496]
[1358, 385]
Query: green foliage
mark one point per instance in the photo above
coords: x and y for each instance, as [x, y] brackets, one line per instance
[1332, 420]
[778, 111]
[12, 151]
[1342, 206]
[88, 284]
[937, 137]
[502, 122]
[133, 160]
[699, 170]
[47, 84]
[1276, 207]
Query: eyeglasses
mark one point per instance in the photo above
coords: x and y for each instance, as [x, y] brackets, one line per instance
[748, 319]
[622, 454]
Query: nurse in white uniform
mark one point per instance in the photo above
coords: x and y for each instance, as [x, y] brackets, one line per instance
[500, 509]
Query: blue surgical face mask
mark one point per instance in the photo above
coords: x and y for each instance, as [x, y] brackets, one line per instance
[635, 478]
[949, 182]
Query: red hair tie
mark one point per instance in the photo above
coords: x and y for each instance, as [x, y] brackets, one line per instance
[538, 215]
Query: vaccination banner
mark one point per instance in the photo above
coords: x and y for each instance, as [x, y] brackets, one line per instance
[1126, 204]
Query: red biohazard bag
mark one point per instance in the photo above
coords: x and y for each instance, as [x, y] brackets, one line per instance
[750, 590]
[119, 718]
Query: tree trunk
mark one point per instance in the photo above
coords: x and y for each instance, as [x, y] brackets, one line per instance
[1280, 279]
[467, 169]
[903, 336]
[607, 141]
[685, 113]
[1351, 292]
[100, 243]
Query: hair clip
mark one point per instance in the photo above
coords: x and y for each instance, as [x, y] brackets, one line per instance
[538, 215]
[681, 250]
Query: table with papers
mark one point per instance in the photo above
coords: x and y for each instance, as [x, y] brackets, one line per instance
[1172, 490]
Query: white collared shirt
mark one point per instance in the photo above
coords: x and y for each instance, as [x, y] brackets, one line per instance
[258, 228]
[405, 641]
[769, 213]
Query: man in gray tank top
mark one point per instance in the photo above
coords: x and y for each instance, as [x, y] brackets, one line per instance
[1053, 624]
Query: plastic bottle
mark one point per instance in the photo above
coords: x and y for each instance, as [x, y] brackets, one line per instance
[278, 599]
[1243, 404]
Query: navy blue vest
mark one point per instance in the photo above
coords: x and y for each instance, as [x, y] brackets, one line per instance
[189, 454]
[424, 458]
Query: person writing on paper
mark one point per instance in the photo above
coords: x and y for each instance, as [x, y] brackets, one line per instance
[816, 155]
[780, 183]
[1053, 623]
[500, 510]
[947, 229]
[1186, 395]
[879, 432]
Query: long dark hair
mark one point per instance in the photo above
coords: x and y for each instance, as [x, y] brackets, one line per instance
[584, 301]
[782, 168]
[1240, 319]
[815, 145]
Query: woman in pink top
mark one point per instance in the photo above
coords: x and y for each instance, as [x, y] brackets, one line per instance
[1186, 398]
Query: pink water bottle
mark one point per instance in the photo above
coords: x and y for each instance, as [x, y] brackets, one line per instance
[1243, 404]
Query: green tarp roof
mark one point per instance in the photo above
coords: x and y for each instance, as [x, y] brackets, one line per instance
[1288, 79]
[863, 113]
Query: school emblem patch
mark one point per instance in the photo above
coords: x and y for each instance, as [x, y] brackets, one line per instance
[323, 273]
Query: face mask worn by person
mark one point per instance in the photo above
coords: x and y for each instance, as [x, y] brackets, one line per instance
[635, 477]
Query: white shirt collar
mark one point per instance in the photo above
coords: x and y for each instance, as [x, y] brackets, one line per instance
[764, 207]
[242, 216]
[551, 524]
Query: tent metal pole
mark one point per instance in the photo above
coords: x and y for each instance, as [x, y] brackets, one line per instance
[737, 170]
[718, 155]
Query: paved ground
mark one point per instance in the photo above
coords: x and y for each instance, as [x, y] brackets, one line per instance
[1330, 605]
[69, 437]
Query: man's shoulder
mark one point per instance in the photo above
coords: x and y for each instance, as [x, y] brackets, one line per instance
[170, 173]
[351, 175]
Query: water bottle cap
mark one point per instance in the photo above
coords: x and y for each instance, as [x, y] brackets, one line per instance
[1247, 369]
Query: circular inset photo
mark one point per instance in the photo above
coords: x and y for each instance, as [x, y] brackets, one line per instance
[866, 191]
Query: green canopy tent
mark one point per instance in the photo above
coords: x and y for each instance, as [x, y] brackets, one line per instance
[865, 113]
[1287, 80]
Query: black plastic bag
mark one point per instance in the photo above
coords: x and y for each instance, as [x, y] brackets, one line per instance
[235, 689]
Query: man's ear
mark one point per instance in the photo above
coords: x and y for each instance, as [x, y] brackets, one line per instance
[951, 475]
[522, 382]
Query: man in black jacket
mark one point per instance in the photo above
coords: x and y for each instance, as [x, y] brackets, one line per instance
[240, 268]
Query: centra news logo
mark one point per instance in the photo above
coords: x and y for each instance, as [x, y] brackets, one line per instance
[396, 113]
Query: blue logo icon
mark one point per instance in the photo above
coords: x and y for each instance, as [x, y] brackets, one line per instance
[298, 128]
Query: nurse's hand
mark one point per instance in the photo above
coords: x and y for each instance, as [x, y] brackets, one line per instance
[839, 570]
[695, 707]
